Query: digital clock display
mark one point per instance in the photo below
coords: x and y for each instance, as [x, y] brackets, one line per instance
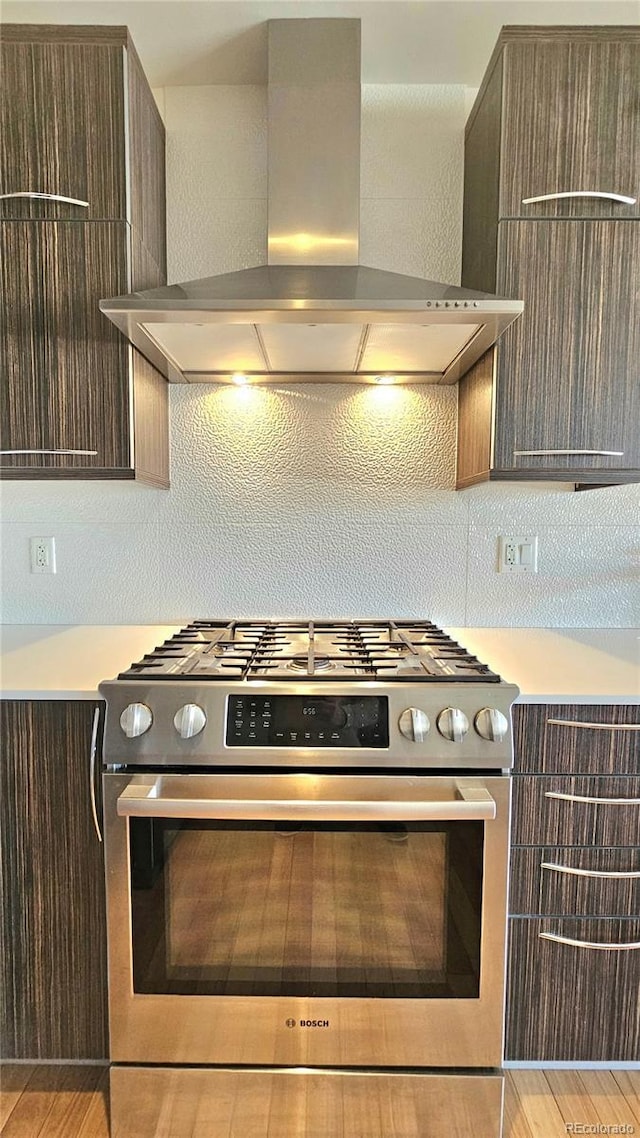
[307, 721]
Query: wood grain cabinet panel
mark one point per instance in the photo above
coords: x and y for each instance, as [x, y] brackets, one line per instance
[79, 119]
[568, 371]
[61, 360]
[558, 111]
[536, 889]
[571, 122]
[576, 739]
[62, 129]
[539, 819]
[71, 382]
[53, 985]
[573, 1004]
[564, 1002]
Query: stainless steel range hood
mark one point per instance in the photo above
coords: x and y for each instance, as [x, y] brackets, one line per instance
[313, 313]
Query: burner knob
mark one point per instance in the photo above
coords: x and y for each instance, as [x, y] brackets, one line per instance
[453, 724]
[414, 724]
[136, 719]
[491, 724]
[189, 720]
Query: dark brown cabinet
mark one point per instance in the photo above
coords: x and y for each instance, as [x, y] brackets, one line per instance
[569, 371]
[71, 382]
[559, 397]
[571, 122]
[79, 120]
[568, 1003]
[53, 987]
[574, 934]
[62, 131]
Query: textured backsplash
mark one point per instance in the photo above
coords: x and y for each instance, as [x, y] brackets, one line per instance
[317, 500]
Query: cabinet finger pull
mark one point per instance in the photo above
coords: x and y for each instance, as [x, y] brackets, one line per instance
[599, 873]
[45, 197]
[48, 450]
[595, 726]
[623, 199]
[92, 772]
[589, 798]
[589, 943]
[600, 453]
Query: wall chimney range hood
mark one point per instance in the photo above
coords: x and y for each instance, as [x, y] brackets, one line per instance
[313, 313]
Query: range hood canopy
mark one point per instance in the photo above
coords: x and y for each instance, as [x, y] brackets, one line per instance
[312, 313]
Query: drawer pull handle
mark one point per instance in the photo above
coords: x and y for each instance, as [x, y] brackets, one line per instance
[595, 726]
[624, 199]
[589, 943]
[92, 773]
[533, 453]
[48, 450]
[45, 197]
[600, 873]
[589, 798]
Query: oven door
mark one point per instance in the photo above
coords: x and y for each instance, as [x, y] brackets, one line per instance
[302, 919]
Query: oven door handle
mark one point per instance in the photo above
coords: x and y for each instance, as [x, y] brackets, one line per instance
[472, 804]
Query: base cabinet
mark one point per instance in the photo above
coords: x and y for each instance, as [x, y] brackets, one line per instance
[573, 987]
[570, 1003]
[53, 969]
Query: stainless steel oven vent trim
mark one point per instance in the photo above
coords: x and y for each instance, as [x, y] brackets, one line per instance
[259, 321]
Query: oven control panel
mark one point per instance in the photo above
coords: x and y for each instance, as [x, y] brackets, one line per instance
[307, 721]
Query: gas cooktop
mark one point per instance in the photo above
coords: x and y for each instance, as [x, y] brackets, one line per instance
[391, 650]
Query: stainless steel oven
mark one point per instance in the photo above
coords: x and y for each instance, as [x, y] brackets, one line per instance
[335, 911]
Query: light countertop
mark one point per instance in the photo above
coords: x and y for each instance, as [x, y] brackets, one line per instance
[570, 665]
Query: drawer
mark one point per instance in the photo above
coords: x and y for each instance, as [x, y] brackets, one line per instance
[608, 816]
[576, 739]
[568, 1003]
[588, 882]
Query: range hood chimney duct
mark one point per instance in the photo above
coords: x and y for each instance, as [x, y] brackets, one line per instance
[312, 313]
[314, 142]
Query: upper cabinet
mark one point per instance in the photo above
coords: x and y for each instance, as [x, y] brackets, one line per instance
[82, 216]
[558, 118]
[571, 123]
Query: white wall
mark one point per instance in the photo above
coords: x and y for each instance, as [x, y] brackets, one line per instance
[317, 500]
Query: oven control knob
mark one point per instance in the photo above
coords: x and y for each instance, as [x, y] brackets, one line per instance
[136, 719]
[189, 720]
[414, 724]
[491, 724]
[453, 724]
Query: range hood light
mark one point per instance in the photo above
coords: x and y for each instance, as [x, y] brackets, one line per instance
[385, 379]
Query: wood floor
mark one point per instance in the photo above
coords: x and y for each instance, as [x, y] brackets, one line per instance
[71, 1102]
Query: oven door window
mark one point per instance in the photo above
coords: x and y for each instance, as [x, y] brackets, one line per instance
[306, 909]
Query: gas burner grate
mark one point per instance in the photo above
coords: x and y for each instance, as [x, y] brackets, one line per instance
[395, 651]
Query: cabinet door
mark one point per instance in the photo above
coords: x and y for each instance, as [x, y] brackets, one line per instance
[62, 130]
[573, 1003]
[571, 123]
[53, 986]
[65, 367]
[569, 369]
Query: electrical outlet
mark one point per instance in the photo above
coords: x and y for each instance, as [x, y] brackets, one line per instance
[43, 554]
[518, 554]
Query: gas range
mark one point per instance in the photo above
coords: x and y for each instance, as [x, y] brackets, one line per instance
[326, 694]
